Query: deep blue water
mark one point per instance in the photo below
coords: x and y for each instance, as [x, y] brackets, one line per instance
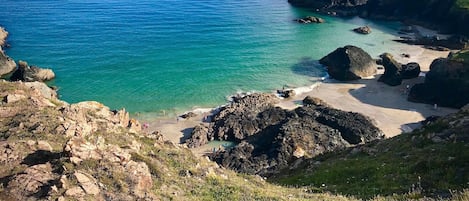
[174, 55]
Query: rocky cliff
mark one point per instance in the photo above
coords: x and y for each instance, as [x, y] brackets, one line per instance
[52, 150]
[449, 15]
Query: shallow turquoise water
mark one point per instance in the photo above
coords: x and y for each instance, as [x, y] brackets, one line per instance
[172, 55]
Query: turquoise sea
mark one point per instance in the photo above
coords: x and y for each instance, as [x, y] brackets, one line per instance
[151, 56]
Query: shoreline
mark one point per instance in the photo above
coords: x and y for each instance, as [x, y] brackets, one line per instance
[387, 106]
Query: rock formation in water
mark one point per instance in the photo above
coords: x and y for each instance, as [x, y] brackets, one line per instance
[309, 20]
[363, 30]
[27, 73]
[446, 84]
[349, 63]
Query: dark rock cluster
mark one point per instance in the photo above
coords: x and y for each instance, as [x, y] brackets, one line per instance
[395, 72]
[27, 73]
[271, 138]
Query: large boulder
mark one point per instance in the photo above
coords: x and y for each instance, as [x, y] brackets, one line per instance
[410, 70]
[7, 65]
[237, 120]
[446, 84]
[199, 136]
[392, 70]
[349, 63]
[31, 73]
[363, 30]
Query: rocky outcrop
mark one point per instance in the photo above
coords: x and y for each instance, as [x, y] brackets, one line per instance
[238, 120]
[363, 30]
[446, 84]
[7, 65]
[410, 70]
[199, 136]
[31, 73]
[280, 137]
[349, 63]
[392, 70]
[3, 37]
[286, 93]
[313, 101]
[395, 72]
[309, 20]
[446, 14]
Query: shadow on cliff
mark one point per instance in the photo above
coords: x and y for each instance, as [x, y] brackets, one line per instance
[309, 67]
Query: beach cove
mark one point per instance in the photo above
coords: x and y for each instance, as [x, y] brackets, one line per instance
[164, 58]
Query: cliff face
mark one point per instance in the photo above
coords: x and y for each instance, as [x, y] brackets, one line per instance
[449, 15]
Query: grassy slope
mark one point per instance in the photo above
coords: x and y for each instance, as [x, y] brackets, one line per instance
[176, 173]
[409, 164]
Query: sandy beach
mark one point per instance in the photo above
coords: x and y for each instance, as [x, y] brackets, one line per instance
[387, 106]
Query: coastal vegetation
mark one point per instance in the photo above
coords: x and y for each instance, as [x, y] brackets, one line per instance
[431, 161]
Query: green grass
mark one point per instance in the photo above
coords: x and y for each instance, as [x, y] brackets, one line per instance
[463, 4]
[462, 56]
[409, 164]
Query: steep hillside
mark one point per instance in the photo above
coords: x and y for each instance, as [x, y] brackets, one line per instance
[427, 162]
[50, 150]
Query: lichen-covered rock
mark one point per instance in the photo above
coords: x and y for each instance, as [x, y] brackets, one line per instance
[3, 36]
[349, 63]
[32, 182]
[31, 73]
[7, 65]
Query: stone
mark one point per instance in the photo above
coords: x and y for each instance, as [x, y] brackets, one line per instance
[363, 30]
[3, 36]
[44, 145]
[11, 98]
[349, 63]
[410, 70]
[7, 65]
[87, 183]
[199, 137]
[27, 73]
[392, 70]
[188, 115]
[286, 93]
[140, 176]
[299, 152]
[313, 101]
[279, 137]
[31, 182]
[310, 19]
[75, 192]
[446, 84]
